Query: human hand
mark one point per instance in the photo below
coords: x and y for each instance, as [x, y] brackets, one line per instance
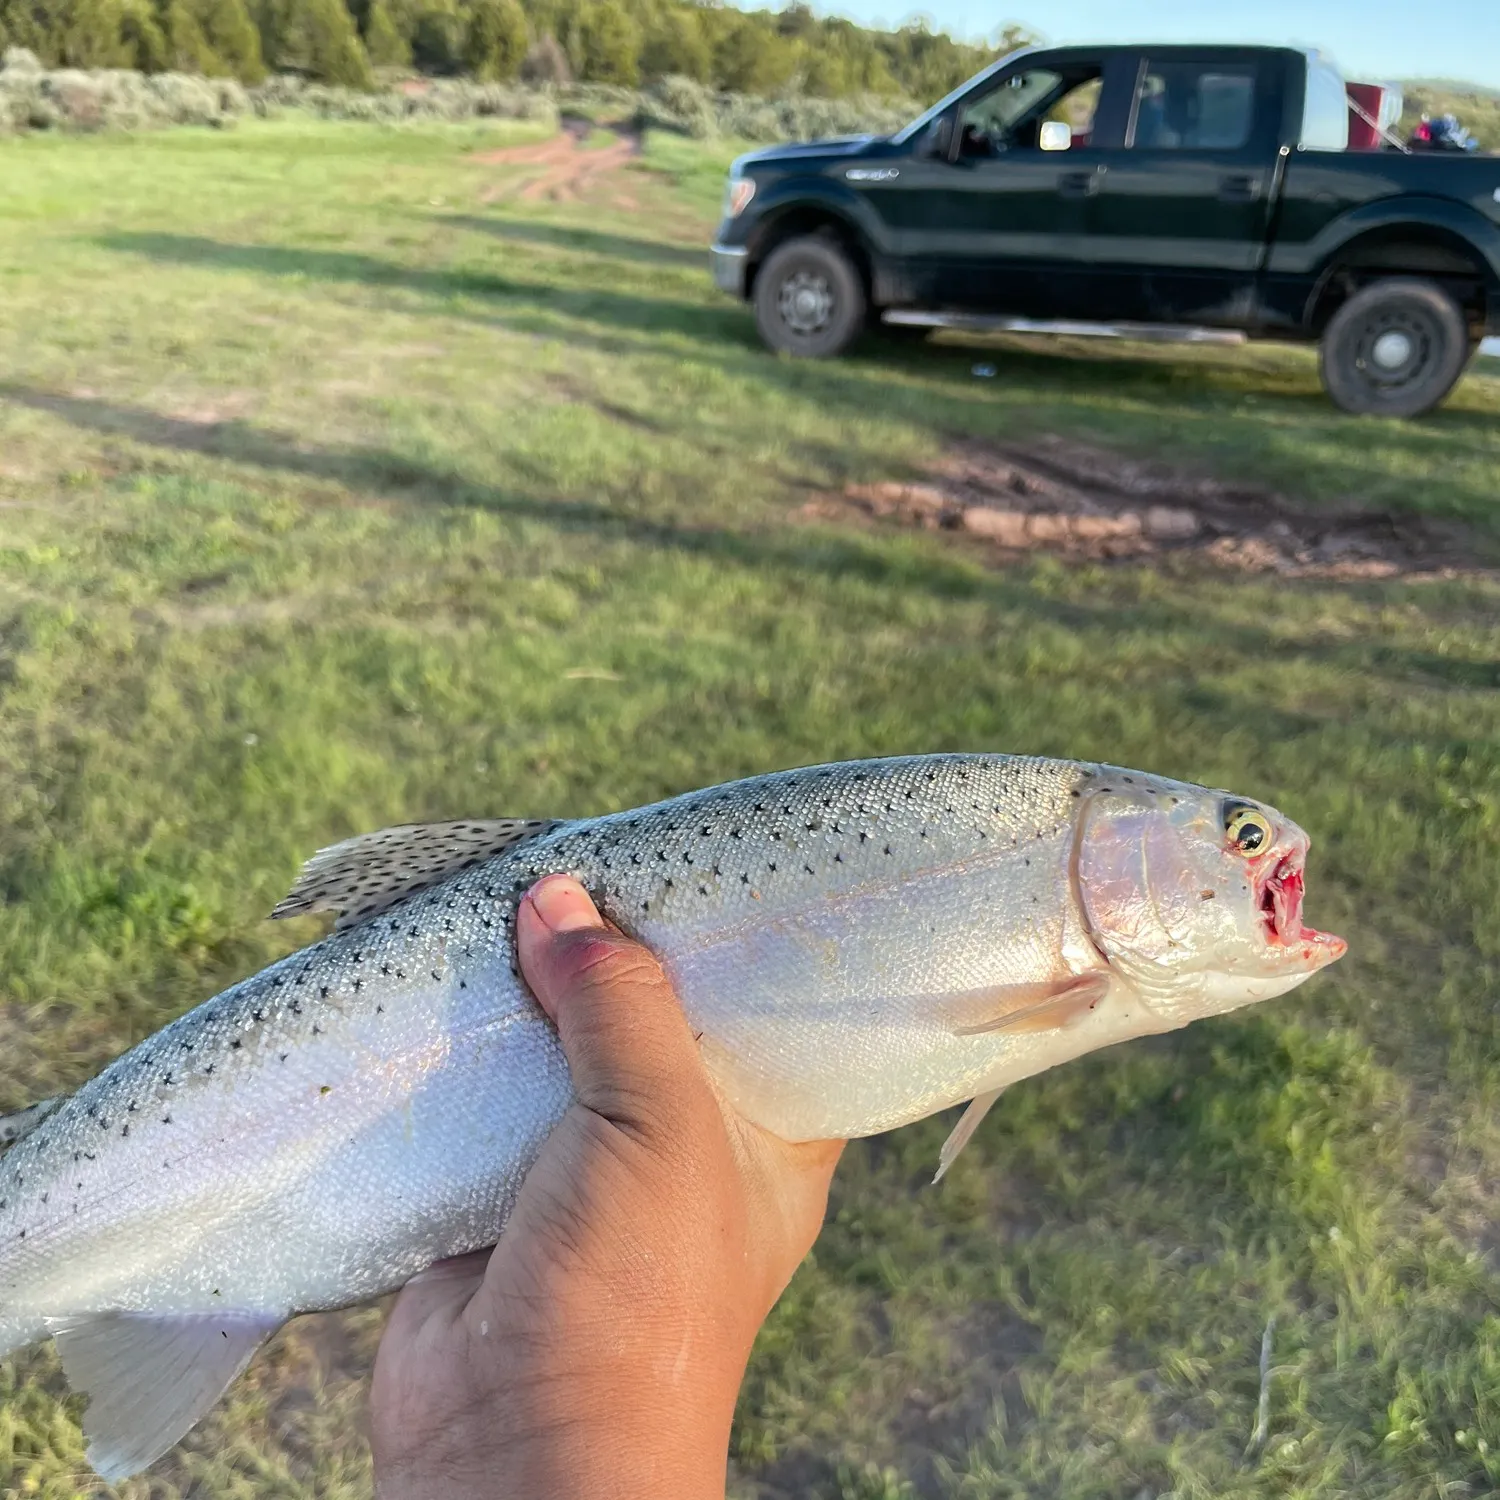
[597, 1351]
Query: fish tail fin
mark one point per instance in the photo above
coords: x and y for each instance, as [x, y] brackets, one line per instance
[151, 1377]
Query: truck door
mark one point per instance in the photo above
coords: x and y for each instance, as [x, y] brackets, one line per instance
[982, 217]
[1178, 226]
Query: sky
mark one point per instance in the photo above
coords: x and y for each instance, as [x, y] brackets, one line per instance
[1368, 39]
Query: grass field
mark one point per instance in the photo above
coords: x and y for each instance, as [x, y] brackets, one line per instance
[342, 484]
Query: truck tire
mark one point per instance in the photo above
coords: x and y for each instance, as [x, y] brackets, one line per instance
[1394, 349]
[809, 299]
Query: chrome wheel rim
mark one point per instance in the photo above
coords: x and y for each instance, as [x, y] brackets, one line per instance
[805, 300]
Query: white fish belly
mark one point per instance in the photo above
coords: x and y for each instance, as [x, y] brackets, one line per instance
[844, 1016]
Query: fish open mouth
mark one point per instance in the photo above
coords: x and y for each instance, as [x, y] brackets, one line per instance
[1281, 910]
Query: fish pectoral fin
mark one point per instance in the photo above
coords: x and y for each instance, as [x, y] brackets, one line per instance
[24, 1121]
[363, 876]
[963, 1132]
[150, 1377]
[1028, 1007]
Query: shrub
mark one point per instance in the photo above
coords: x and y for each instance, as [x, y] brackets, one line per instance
[608, 43]
[680, 104]
[384, 44]
[546, 63]
[496, 42]
[676, 47]
[32, 98]
[324, 34]
[437, 39]
[188, 50]
[233, 39]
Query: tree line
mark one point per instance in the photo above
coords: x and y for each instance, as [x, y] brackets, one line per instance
[541, 41]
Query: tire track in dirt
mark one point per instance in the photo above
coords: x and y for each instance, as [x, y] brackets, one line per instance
[562, 169]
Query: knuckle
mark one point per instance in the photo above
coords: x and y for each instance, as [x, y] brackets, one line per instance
[603, 960]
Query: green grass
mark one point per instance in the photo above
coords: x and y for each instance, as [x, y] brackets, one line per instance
[337, 491]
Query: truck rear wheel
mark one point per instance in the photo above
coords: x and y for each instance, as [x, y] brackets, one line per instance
[809, 299]
[1394, 349]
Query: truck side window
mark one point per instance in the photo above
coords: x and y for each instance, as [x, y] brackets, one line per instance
[1010, 116]
[1186, 106]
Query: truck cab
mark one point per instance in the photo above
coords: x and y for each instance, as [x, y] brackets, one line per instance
[1163, 187]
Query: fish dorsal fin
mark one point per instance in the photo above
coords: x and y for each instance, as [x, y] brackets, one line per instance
[362, 876]
[24, 1121]
[963, 1132]
[150, 1377]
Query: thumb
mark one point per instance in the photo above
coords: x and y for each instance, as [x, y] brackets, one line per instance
[629, 1048]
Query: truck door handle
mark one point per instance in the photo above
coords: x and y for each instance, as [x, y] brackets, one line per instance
[1079, 184]
[1239, 187]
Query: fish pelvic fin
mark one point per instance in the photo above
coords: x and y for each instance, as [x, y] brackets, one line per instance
[963, 1132]
[150, 1377]
[366, 875]
[24, 1121]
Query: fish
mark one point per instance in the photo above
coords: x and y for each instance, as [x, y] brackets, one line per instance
[857, 946]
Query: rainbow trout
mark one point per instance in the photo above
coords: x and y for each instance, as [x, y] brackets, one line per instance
[859, 945]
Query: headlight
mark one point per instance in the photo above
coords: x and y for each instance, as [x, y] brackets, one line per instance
[737, 196]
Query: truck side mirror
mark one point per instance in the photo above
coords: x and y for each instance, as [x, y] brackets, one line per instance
[1055, 136]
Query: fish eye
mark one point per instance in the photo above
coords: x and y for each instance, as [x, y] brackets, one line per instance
[1247, 829]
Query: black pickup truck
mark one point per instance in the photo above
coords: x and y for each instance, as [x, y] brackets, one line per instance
[1162, 187]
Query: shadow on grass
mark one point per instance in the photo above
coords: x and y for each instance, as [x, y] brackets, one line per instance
[1146, 401]
[588, 241]
[654, 315]
[390, 475]
[792, 549]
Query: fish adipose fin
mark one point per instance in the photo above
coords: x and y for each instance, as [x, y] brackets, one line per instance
[963, 1132]
[1027, 1007]
[149, 1377]
[362, 876]
[24, 1121]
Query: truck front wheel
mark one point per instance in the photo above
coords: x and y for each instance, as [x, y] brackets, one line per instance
[1394, 349]
[809, 299]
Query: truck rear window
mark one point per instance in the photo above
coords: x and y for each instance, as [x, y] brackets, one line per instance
[1188, 106]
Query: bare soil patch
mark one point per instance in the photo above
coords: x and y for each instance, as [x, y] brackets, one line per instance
[1054, 495]
[565, 166]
